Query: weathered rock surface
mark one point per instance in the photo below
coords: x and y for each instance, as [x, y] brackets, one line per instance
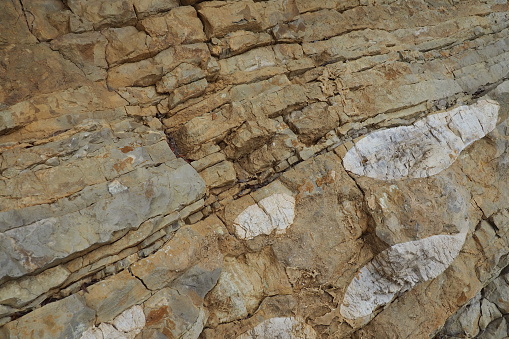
[396, 270]
[242, 169]
[424, 149]
[275, 212]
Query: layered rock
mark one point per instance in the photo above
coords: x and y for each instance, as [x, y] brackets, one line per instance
[224, 169]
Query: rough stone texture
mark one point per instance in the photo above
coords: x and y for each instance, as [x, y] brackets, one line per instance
[284, 328]
[275, 212]
[185, 169]
[114, 295]
[397, 270]
[66, 318]
[125, 326]
[424, 149]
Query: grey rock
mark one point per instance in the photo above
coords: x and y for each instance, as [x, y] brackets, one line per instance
[153, 191]
[497, 329]
[63, 319]
[498, 293]
[489, 312]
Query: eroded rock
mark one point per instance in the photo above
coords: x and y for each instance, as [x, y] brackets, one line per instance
[397, 270]
[423, 149]
[275, 212]
[284, 328]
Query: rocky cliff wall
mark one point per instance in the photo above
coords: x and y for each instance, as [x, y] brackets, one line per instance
[247, 169]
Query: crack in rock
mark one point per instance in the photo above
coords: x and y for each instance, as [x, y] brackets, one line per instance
[396, 270]
[275, 212]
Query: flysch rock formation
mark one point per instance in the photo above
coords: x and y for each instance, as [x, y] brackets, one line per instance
[423, 149]
[276, 212]
[175, 168]
[396, 270]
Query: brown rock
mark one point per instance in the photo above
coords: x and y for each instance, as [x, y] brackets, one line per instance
[188, 247]
[148, 7]
[86, 50]
[112, 296]
[22, 80]
[14, 27]
[313, 122]
[41, 12]
[219, 175]
[66, 318]
[102, 13]
[186, 92]
[244, 282]
[221, 17]
[141, 73]
[126, 44]
[183, 74]
[178, 26]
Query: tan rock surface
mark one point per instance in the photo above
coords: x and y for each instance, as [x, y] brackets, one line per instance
[185, 169]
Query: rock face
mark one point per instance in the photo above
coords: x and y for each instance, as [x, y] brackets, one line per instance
[275, 212]
[396, 270]
[244, 169]
[424, 149]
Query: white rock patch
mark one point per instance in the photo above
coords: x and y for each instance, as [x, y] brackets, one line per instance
[398, 269]
[281, 328]
[423, 149]
[276, 212]
[126, 325]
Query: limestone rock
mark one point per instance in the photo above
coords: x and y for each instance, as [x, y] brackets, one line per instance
[152, 197]
[222, 17]
[125, 326]
[141, 73]
[313, 121]
[18, 293]
[275, 212]
[103, 13]
[489, 313]
[126, 44]
[178, 26]
[114, 295]
[186, 92]
[219, 175]
[178, 310]
[14, 29]
[21, 81]
[150, 148]
[401, 152]
[41, 12]
[148, 7]
[243, 283]
[182, 252]
[496, 330]
[436, 205]
[66, 318]
[86, 50]
[281, 328]
[466, 321]
[498, 291]
[183, 74]
[398, 269]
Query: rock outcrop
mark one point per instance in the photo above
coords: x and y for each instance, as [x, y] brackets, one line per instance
[246, 169]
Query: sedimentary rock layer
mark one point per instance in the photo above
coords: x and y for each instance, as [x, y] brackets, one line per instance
[137, 135]
[423, 149]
